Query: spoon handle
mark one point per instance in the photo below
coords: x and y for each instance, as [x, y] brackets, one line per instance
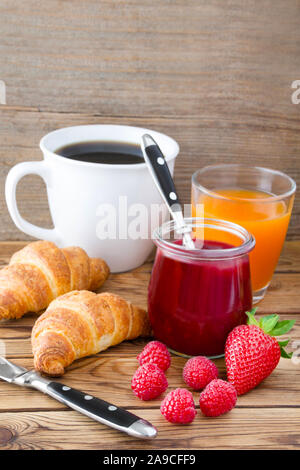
[162, 177]
[160, 172]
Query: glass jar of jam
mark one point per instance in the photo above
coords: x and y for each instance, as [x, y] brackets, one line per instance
[196, 297]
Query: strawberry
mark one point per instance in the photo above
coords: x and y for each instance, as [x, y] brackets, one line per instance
[252, 352]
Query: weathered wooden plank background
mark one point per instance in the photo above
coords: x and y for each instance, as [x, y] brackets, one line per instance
[214, 75]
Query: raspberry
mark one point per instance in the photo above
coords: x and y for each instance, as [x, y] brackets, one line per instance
[217, 398]
[199, 371]
[148, 382]
[157, 353]
[178, 406]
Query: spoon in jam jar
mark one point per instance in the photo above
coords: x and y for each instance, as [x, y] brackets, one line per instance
[162, 177]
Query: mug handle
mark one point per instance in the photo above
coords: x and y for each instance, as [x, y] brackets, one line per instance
[15, 174]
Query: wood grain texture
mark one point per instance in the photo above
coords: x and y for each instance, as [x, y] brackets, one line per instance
[215, 75]
[265, 418]
[147, 57]
[203, 140]
[253, 428]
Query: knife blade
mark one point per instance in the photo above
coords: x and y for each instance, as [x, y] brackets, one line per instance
[95, 408]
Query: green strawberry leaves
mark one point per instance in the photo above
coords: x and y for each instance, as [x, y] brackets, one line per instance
[268, 323]
[251, 319]
[282, 327]
[283, 343]
[284, 354]
[271, 325]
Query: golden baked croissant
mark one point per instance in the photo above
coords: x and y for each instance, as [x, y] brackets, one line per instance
[41, 271]
[82, 323]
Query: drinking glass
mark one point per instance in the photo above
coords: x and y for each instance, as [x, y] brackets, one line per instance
[259, 199]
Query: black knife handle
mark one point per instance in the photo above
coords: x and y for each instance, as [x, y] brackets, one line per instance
[93, 407]
[99, 410]
[163, 177]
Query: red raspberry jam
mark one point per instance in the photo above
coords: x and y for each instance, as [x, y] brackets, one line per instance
[197, 297]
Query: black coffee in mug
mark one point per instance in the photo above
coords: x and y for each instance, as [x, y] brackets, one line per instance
[112, 153]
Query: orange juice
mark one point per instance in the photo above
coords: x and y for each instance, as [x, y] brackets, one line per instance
[259, 213]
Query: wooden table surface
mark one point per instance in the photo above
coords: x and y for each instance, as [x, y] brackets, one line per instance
[265, 418]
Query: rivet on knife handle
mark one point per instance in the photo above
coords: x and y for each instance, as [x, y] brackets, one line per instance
[101, 411]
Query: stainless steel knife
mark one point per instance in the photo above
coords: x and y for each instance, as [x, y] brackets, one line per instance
[93, 407]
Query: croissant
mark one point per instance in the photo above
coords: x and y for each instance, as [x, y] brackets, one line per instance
[82, 323]
[41, 271]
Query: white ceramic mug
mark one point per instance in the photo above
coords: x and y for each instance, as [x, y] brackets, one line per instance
[76, 189]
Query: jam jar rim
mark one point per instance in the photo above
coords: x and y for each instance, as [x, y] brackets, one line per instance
[203, 253]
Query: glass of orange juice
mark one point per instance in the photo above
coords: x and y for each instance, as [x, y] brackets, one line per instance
[258, 199]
